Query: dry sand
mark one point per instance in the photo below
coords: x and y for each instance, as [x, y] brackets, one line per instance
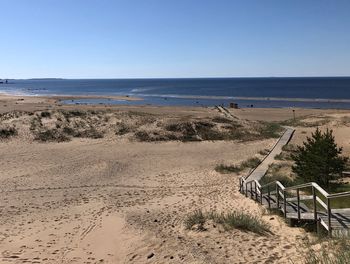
[113, 200]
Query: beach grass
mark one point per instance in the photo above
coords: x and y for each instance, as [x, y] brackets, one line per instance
[232, 220]
[249, 163]
[7, 132]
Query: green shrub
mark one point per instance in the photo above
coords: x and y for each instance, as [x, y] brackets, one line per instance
[122, 129]
[335, 251]
[51, 135]
[45, 114]
[7, 132]
[90, 133]
[222, 120]
[224, 169]
[264, 152]
[195, 219]
[250, 163]
[229, 221]
[270, 130]
[242, 221]
[319, 159]
[73, 113]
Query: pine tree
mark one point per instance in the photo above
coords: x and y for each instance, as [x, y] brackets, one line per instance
[319, 159]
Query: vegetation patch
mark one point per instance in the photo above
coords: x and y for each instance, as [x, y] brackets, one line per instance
[45, 114]
[270, 130]
[7, 132]
[249, 163]
[319, 159]
[279, 172]
[335, 251]
[225, 169]
[51, 135]
[222, 120]
[232, 220]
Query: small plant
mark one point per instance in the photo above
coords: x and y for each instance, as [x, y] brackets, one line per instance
[335, 251]
[222, 120]
[270, 130]
[143, 136]
[225, 169]
[122, 129]
[264, 152]
[279, 156]
[229, 221]
[45, 114]
[242, 221]
[35, 123]
[90, 133]
[51, 135]
[250, 163]
[280, 172]
[7, 132]
[196, 219]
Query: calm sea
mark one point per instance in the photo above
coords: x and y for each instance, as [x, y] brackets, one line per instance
[247, 92]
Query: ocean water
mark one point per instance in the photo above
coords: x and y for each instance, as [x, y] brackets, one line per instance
[330, 92]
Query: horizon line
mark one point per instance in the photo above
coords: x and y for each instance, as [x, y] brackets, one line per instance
[145, 78]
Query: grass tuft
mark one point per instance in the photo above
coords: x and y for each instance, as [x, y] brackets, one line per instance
[196, 219]
[249, 163]
[335, 251]
[7, 132]
[233, 220]
[51, 135]
[225, 169]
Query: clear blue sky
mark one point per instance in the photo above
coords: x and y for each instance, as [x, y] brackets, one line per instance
[174, 38]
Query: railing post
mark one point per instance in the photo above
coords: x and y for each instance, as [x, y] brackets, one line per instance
[298, 204]
[256, 192]
[268, 196]
[240, 185]
[314, 202]
[261, 196]
[251, 190]
[284, 204]
[329, 213]
[246, 189]
[277, 197]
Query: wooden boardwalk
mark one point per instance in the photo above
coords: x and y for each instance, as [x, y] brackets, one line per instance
[305, 202]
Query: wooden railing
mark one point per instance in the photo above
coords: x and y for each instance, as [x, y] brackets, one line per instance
[283, 198]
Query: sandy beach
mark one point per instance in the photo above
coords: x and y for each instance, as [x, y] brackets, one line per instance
[118, 199]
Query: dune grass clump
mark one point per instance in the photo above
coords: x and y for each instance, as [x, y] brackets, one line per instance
[51, 135]
[122, 129]
[264, 152]
[7, 132]
[73, 113]
[270, 130]
[221, 120]
[45, 114]
[335, 251]
[225, 169]
[242, 221]
[249, 163]
[233, 220]
[196, 219]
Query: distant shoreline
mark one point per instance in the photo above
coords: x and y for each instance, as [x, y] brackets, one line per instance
[140, 97]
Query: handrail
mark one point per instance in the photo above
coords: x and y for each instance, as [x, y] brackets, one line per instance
[337, 195]
[309, 184]
[280, 191]
[274, 183]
